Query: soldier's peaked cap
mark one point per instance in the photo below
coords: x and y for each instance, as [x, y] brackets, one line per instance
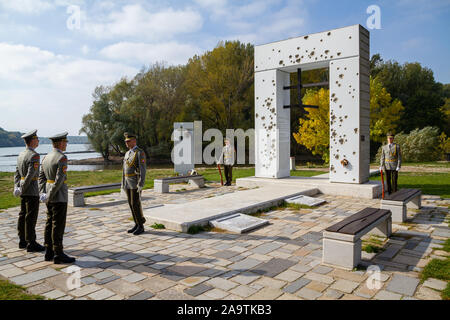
[128, 136]
[29, 135]
[59, 137]
[390, 134]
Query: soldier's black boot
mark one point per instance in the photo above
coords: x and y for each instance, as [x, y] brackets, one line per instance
[61, 257]
[139, 230]
[133, 229]
[49, 254]
[22, 244]
[35, 247]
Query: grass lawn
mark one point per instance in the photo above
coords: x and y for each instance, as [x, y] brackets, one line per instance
[85, 178]
[10, 291]
[435, 183]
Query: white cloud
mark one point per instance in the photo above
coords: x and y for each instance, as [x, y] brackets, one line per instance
[147, 53]
[50, 91]
[85, 49]
[135, 21]
[26, 6]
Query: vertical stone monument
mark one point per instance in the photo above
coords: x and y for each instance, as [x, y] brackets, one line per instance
[345, 51]
[183, 151]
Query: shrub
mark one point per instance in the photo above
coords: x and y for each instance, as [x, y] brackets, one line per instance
[420, 145]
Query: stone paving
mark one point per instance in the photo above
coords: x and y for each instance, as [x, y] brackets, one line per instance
[279, 261]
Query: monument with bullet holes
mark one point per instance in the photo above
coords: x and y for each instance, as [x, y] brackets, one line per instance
[345, 52]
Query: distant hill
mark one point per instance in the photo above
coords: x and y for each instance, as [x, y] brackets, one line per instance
[12, 139]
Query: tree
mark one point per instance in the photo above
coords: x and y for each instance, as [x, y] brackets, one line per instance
[97, 123]
[385, 114]
[220, 87]
[416, 88]
[314, 130]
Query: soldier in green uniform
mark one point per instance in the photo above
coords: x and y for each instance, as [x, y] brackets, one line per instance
[26, 186]
[133, 180]
[54, 192]
[391, 162]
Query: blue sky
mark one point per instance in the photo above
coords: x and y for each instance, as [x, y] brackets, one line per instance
[48, 71]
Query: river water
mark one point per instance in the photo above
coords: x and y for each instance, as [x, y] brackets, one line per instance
[8, 164]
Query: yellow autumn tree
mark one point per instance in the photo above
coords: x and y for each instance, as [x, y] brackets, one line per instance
[314, 129]
[385, 114]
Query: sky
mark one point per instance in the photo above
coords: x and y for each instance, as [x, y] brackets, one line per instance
[53, 53]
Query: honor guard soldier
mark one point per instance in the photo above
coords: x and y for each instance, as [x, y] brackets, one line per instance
[53, 188]
[133, 180]
[390, 162]
[227, 158]
[26, 186]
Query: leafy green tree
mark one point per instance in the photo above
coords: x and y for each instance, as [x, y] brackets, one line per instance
[385, 114]
[219, 86]
[419, 145]
[416, 88]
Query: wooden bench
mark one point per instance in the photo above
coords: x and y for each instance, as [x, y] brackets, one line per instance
[342, 241]
[76, 195]
[162, 185]
[398, 201]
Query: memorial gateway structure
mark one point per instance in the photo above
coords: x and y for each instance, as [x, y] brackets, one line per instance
[345, 52]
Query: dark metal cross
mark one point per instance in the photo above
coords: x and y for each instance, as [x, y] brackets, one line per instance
[299, 87]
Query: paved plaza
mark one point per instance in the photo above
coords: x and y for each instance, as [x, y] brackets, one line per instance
[279, 261]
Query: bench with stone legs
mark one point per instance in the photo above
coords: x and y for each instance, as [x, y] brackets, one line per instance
[398, 201]
[342, 241]
[76, 195]
[162, 185]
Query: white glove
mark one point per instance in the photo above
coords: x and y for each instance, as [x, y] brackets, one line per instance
[43, 198]
[139, 189]
[381, 168]
[123, 194]
[398, 169]
[17, 191]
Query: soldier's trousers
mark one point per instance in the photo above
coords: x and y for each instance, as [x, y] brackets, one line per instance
[228, 173]
[29, 209]
[134, 201]
[55, 225]
[391, 179]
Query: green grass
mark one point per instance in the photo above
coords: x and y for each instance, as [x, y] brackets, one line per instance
[10, 291]
[369, 248]
[158, 226]
[86, 178]
[445, 294]
[197, 229]
[446, 246]
[433, 183]
[438, 269]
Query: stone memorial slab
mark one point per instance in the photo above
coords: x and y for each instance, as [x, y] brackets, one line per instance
[309, 201]
[238, 223]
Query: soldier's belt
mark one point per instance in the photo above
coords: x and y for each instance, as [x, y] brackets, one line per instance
[33, 179]
[130, 174]
[389, 160]
[53, 181]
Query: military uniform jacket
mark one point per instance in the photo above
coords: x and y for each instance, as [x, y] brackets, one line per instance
[134, 169]
[52, 178]
[27, 172]
[227, 156]
[391, 156]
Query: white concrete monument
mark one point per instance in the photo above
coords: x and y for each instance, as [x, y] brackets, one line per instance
[183, 151]
[345, 51]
